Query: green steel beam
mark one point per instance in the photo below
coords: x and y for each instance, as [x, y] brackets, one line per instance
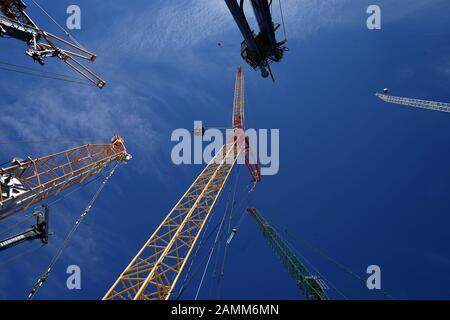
[306, 282]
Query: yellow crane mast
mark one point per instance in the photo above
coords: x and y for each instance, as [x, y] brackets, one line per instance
[153, 273]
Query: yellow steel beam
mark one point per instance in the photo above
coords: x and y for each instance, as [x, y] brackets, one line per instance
[154, 271]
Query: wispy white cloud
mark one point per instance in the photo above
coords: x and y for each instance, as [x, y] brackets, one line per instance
[158, 32]
[61, 114]
[130, 57]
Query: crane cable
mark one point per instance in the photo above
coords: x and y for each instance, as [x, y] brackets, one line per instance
[49, 76]
[20, 255]
[215, 274]
[225, 250]
[228, 213]
[74, 190]
[203, 241]
[303, 258]
[317, 271]
[282, 20]
[189, 275]
[335, 262]
[69, 236]
[48, 141]
[241, 207]
[12, 65]
[13, 226]
[242, 203]
[36, 142]
[41, 74]
[57, 24]
[28, 217]
[209, 257]
[281, 14]
[229, 209]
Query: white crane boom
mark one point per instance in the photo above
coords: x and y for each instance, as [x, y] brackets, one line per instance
[423, 104]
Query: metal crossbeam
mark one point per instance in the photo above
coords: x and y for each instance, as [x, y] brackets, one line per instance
[41, 44]
[154, 271]
[423, 104]
[306, 282]
[27, 182]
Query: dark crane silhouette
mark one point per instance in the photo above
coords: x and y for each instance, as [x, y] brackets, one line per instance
[258, 50]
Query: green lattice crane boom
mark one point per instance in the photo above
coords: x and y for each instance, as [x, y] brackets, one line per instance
[306, 282]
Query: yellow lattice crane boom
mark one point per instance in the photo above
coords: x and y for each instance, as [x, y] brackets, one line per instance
[29, 181]
[154, 271]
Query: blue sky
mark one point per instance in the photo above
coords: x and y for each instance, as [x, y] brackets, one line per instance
[365, 181]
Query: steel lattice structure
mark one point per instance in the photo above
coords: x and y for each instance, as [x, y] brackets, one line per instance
[154, 271]
[15, 23]
[27, 182]
[305, 281]
[423, 104]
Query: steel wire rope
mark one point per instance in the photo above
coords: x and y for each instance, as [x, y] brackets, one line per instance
[8, 64]
[192, 260]
[317, 270]
[222, 269]
[49, 141]
[324, 255]
[310, 264]
[190, 276]
[69, 236]
[16, 224]
[209, 258]
[44, 76]
[282, 20]
[20, 255]
[29, 216]
[57, 24]
[231, 197]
